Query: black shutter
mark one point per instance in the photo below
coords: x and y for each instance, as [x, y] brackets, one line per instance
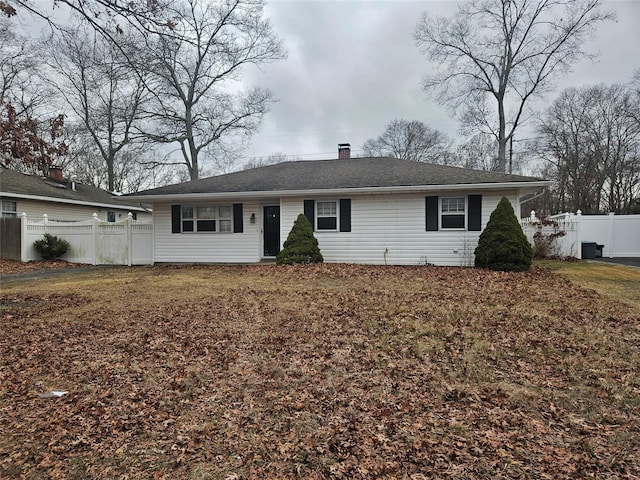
[310, 211]
[432, 213]
[474, 222]
[175, 219]
[345, 214]
[237, 218]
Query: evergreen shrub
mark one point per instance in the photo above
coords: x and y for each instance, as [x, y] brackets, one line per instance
[51, 247]
[301, 246]
[503, 245]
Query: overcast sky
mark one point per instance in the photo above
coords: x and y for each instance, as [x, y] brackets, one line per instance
[353, 67]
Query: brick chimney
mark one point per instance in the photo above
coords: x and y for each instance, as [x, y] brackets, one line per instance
[344, 150]
[55, 173]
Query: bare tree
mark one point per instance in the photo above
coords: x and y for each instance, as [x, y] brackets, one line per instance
[32, 138]
[272, 159]
[198, 104]
[634, 107]
[97, 83]
[19, 65]
[410, 140]
[134, 166]
[591, 150]
[505, 52]
[478, 152]
[108, 17]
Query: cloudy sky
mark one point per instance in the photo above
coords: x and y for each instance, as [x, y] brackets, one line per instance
[353, 67]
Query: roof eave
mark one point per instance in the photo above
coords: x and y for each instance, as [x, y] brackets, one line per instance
[532, 185]
[73, 202]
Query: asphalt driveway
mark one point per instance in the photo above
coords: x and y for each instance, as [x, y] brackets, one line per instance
[630, 261]
[10, 279]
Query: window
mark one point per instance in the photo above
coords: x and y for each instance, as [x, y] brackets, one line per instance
[206, 219]
[187, 219]
[449, 213]
[453, 212]
[224, 214]
[111, 216]
[327, 214]
[9, 208]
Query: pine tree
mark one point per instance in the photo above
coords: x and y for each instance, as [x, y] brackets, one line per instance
[503, 245]
[301, 246]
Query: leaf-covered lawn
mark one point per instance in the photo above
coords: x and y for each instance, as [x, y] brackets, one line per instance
[326, 371]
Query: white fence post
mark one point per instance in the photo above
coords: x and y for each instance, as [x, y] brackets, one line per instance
[611, 234]
[94, 232]
[23, 238]
[579, 234]
[128, 232]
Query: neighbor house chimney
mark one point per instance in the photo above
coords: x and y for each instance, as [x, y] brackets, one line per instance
[344, 150]
[55, 173]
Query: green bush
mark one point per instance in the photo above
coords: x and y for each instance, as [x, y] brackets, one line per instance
[503, 245]
[51, 247]
[301, 246]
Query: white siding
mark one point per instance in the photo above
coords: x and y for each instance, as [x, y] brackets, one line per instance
[391, 229]
[67, 211]
[207, 247]
[384, 229]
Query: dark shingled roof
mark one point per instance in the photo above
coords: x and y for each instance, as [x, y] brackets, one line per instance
[337, 174]
[12, 182]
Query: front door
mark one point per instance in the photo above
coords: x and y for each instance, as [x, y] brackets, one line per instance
[271, 231]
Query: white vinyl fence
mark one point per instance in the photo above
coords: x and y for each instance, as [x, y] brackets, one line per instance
[127, 242]
[618, 234]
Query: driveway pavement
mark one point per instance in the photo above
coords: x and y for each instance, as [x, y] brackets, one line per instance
[630, 261]
[50, 273]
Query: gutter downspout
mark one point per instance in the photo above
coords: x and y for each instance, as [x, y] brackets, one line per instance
[537, 195]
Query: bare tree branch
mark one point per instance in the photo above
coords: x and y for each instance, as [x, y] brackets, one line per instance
[97, 83]
[194, 72]
[410, 141]
[506, 50]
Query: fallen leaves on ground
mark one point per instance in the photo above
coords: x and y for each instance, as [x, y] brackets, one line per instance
[318, 371]
[11, 267]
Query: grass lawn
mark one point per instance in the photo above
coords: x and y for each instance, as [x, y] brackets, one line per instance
[620, 283]
[328, 371]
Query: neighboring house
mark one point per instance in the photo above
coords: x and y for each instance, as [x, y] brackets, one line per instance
[363, 210]
[61, 199]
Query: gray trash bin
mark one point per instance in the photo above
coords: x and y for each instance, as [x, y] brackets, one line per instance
[589, 250]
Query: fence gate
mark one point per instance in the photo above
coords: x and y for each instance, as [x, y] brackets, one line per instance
[10, 238]
[112, 245]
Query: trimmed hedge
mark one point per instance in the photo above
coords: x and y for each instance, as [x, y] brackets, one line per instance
[301, 246]
[503, 245]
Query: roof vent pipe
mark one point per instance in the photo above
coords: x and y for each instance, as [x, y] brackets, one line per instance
[344, 150]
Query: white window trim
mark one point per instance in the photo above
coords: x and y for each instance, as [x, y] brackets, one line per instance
[223, 219]
[216, 218]
[318, 216]
[443, 214]
[9, 213]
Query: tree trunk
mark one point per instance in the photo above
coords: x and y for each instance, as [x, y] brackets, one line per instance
[502, 138]
[194, 170]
